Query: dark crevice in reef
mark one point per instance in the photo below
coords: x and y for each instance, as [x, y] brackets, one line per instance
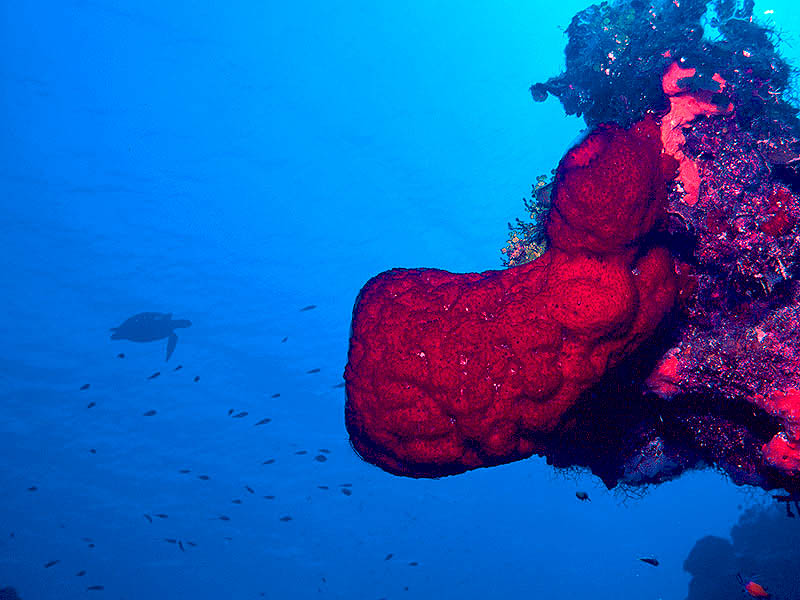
[627, 436]
[789, 175]
[604, 423]
[680, 243]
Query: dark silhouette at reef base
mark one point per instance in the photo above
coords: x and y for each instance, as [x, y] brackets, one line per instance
[8, 593]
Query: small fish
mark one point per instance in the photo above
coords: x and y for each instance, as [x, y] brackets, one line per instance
[229, 538]
[269, 461]
[650, 561]
[184, 471]
[240, 415]
[286, 518]
[90, 546]
[80, 573]
[33, 488]
[171, 540]
[47, 565]
[751, 587]
[320, 458]
[85, 386]
[756, 590]
[275, 395]
[413, 563]
[196, 378]
[324, 450]
[249, 489]
[204, 477]
[161, 515]
[269, 497]
[92, 451]
[389, 556]
[582, 496]
[323, 487]
[309, 307]
[95, 588]
[345, 485]
[192, 544]
[180, 545]
[347, 491]
[148, 517]
[178, 368]
[91, 404]
[263, 422]
[230, 412]
[121, 355]
[301, 452]
[224, 518]
[339, 385]
[149, 413]
[236, 501]
[313, 371]
[154, 375]
[284, 339]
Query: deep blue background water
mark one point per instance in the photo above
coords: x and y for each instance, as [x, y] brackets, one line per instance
[232, 165]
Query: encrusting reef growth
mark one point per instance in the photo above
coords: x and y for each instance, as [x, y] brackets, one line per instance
[648, 321]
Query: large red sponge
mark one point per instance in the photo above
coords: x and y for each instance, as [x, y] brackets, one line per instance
[449, 372]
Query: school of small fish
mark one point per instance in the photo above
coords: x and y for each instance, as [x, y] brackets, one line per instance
[151, 517]
[752, 588]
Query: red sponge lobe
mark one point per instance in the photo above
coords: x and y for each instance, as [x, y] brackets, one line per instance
[449, 372]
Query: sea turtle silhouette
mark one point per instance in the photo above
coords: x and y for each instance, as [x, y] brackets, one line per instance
[149, 327]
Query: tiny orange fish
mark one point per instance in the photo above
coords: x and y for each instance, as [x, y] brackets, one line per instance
[755, 590]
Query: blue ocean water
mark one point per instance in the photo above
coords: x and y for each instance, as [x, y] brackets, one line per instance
[232, 165]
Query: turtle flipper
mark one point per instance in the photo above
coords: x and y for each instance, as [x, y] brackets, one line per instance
[171, 343]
